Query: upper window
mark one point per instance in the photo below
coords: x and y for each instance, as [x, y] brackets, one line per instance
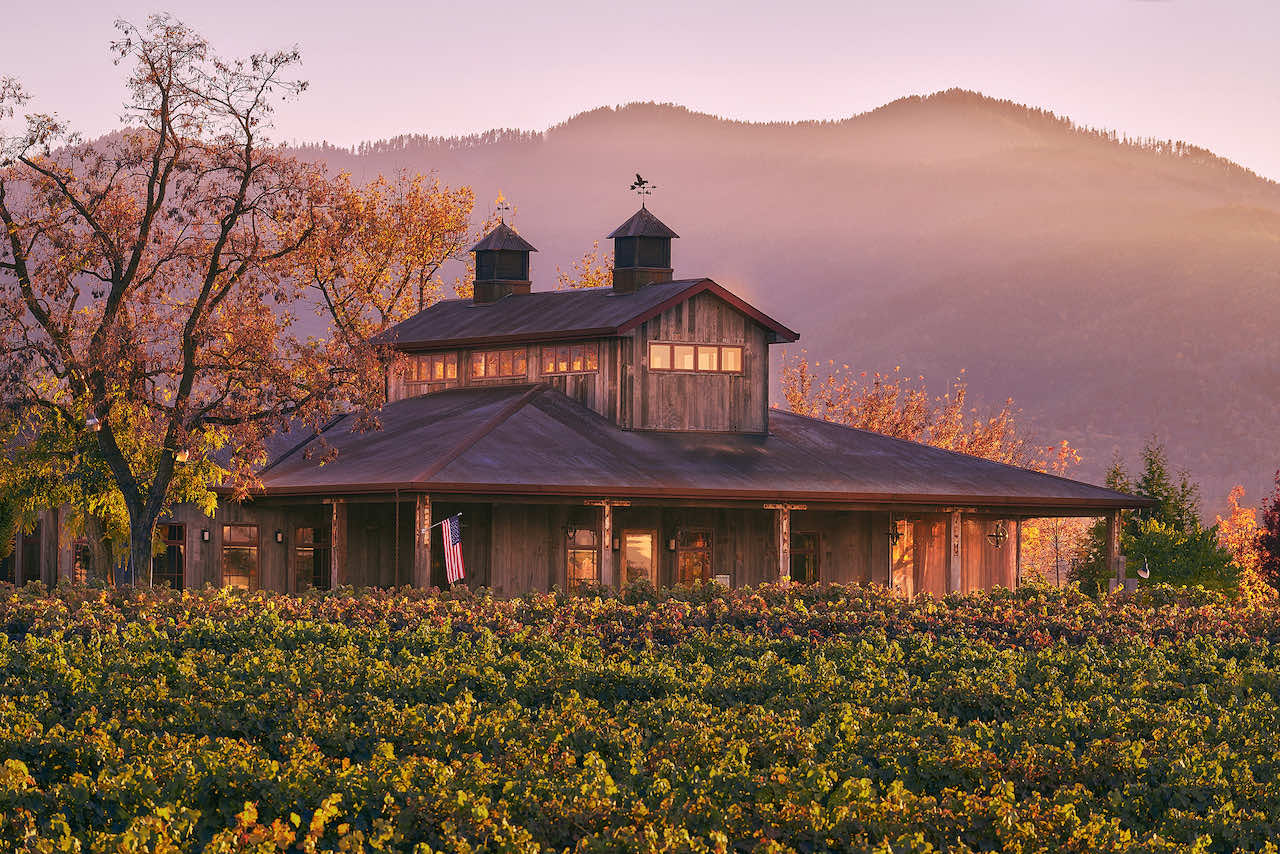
[491, 364]
[571, 359]
[707, 358]
[432, 368]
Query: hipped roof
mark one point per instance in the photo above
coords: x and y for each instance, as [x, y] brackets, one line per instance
[642, 224]
[533, 440]
[503, 237]
[559, 315]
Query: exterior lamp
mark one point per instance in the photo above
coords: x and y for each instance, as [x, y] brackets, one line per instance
[204, 535]
[279, 536]
[92, 423]
[182, 455]
[998, 534]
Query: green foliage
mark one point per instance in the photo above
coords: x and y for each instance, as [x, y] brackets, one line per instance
[1166, 538]
[8, 525]
[1173, 556]
[778, 719]
[49, 459]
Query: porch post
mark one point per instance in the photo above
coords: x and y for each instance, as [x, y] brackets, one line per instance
[18, 569]
[337, 544]
[955, 564]
[606, 545]
[422, 542]
[1017, 560]
[1113, 550]
[784, 544]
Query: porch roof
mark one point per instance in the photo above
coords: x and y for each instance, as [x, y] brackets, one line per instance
[533, 440]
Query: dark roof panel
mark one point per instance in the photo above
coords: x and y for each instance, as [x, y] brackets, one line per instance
[503, 238]
[642, 224]
[534, 440]
[552, 315]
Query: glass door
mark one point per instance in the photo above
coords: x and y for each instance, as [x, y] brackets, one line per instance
[640, 557]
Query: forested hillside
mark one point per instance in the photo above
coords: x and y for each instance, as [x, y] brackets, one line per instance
[1115, 288]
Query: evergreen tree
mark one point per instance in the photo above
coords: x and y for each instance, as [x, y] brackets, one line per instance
[1166, 538]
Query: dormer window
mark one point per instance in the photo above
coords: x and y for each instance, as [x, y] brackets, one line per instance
[571, 359]
[700, 358]
[496, 364]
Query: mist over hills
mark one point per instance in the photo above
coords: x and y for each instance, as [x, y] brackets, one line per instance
[1114, 288]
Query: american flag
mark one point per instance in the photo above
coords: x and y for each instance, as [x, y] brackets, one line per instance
[452, 530]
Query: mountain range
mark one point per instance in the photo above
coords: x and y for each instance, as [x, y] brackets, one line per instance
[1116, 289]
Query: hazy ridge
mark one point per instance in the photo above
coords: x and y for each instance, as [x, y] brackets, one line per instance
[1115, 288]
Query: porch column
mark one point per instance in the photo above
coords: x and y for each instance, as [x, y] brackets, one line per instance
[608, 576]
[337, 543]
[1017, 559]
[1113, 550]
[955, 555]
[17, 558]
[422, 542]
[606, 545]
[784, 540]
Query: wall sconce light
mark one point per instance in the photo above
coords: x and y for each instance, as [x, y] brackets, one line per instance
[92, 423]
[279, 536]
[894, 533]
[671, 544]
[204, 535]
[182, 455]
[998, 535]
[617, 544]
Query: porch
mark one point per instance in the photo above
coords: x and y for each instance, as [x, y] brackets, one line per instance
[514, 546]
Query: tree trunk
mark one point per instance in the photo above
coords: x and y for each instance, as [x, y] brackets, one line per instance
[142, 526]
[99, 547]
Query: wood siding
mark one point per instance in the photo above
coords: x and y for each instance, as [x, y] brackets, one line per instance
[687, 400]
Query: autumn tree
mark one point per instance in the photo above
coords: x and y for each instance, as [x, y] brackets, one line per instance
[899, 405]
[592, 270]
[1268, 540]
[154, 283]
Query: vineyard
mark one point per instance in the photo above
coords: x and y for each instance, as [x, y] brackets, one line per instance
[810, 719]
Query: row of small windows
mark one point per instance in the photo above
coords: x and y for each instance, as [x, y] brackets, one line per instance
[709, 358]
[508, 363]
[572, 359]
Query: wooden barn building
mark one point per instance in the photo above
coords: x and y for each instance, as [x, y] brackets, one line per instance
[607, 436]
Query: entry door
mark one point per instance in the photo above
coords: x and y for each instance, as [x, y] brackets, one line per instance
[640, 557]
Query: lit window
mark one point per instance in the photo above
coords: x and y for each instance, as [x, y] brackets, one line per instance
[570, 358]
[584, 557]
[240, 556]
[682, 357]
[500, 363]
[659, 357]
[168, 566]
[703, 358]
[432, 368]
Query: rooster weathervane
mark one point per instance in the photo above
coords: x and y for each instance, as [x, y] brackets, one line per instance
[642, 188]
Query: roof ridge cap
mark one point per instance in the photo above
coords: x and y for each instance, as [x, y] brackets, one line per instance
[469, 441]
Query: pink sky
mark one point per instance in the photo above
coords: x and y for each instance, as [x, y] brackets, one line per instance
[1207, 72]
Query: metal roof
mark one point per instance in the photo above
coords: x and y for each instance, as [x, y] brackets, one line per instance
[503, 237]
[642, 224]
[558, 315]
[535, 441]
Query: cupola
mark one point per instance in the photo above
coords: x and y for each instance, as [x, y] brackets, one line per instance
[502, 264]
[641, 251]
